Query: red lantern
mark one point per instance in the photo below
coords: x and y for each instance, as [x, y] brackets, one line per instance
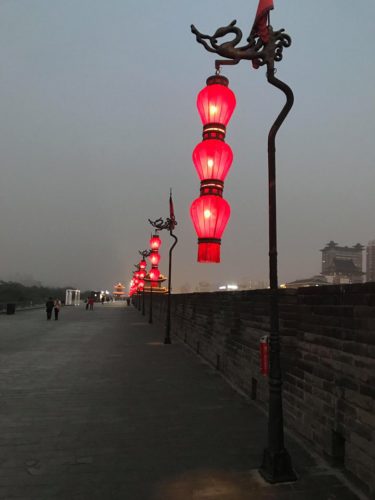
[154, 258]
[155, 242]
[216, 102]
[141, 284]
[142, 264]
[142, 274]
[154, 274]
[210, 215]
[212, 159]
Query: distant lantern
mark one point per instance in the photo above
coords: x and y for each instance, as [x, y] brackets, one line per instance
[141, 284]
[154, 274]
[154, 258]
[142, 264]
[155, 242]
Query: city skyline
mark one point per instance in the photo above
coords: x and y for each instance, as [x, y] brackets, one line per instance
[99, 121]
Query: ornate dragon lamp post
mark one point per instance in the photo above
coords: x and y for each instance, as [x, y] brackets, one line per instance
[137, 281]
[154, 274]
[142, 274]
[264, 47]
[170, 223]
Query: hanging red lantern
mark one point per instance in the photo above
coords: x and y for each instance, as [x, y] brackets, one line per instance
[141, 284]
[142, 274]
[155, 242]
[210, 214]
[154, 274]
[154, 258]
[142, 264]
[216, 103]
[212, 159]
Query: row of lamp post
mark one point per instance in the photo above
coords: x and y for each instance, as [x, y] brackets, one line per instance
[210, 212]
[140, 275]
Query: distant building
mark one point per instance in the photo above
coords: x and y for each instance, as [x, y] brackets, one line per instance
[119, 292]
[370, 261]
[342, 264]
[313, 281]
[203, 287]
[155, 286]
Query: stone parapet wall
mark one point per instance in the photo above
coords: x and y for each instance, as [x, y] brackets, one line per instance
[328, 360]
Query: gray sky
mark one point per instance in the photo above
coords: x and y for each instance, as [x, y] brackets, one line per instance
[98, 120]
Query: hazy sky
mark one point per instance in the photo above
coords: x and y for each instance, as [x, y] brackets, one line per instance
[98, 120]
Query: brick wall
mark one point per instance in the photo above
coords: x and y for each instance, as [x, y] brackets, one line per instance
[328, 360]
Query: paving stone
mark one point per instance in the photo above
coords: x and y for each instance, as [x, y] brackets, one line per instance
[95, 406]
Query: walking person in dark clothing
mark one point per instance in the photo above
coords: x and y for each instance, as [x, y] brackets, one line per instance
[56, 306]
[49, 306]
[90, 302]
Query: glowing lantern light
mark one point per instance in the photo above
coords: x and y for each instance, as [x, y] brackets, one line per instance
[212, 159]
[154, 258]
[154, 274]
[216, 103]
[210, 214]
[142, 264]
[155, 242]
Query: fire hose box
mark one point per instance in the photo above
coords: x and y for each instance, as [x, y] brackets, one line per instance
[264, 351]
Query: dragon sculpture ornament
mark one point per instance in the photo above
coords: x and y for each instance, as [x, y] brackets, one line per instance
[255, 50]
[160, 224]
[145, 253]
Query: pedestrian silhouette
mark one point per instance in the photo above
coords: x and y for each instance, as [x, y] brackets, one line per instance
[56, 307]
[49, 306]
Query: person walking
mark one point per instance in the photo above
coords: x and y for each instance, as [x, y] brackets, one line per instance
[56, 308]
[91, 303]
[49, 306]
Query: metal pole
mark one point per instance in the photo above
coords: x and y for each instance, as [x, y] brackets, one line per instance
[150, 311]
[167, 339]
[143, 301]
[277, 464]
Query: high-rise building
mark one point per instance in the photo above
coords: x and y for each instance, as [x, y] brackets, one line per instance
[370, 261]
[342, 264]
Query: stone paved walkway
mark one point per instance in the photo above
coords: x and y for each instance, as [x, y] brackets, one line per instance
[95, 406]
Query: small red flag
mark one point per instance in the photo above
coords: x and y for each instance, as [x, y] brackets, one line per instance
[171, 209]
[260, 26]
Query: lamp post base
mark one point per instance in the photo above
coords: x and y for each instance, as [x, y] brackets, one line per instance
[277, 467]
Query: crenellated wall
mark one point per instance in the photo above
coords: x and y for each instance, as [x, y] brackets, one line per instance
[328, 359]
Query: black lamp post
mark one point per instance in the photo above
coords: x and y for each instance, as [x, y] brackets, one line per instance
[150, 310]
[145, 254]
[264, 47]
[138, 305]
[170, 223]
